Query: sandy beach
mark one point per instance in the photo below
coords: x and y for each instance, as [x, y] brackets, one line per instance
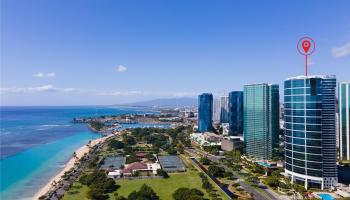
[70, 164]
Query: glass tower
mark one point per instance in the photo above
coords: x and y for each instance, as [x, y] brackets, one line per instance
[224, 109]
[310, 136]
[216, 110]
[344, 120]
[235, 113]
[205, 112]
[260, 119]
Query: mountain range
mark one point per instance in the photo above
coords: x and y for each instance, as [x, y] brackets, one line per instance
[166, 103]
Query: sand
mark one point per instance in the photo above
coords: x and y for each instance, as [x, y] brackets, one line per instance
[70, 164]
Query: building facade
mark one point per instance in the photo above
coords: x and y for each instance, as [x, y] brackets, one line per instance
[205, 111]
[274, 112]
[235, 113]
[224, 109]
[344, 121]
[260, 116]
[216, 110]
[230, 144]
[310, 137]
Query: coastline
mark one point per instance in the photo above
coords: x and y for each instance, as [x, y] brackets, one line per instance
[80, 152]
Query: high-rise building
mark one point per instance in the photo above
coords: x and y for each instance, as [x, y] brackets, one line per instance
[235, 113]
[274, 109]
[224, 109]
[216, 110]
[205, 111]
[260, 119]
[344, 120]
[310, 137]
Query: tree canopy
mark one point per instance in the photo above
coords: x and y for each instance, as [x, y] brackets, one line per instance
[188, 194]
[145, 193]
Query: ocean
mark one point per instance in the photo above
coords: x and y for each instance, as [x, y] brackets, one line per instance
[36, 142]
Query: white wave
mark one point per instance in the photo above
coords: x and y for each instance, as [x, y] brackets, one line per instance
[54, 125]
[49, 126]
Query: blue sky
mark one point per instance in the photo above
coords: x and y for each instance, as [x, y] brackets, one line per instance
[91, 52]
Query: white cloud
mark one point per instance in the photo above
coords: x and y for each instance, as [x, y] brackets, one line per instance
[99, 92]
[341, 51]
[44, 88]
[121, 69]
[44, 75]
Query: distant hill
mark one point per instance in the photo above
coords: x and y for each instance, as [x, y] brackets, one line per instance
[166, 103]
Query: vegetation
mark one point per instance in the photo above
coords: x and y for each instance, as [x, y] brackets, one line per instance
[129, 140]
[99, 184]
[274, 179]
[162, 173]
[117, 197]
[96, 125]
[216, 171]
[188, 194]
[145, 193]
[256, 168]
[212, 149]
[94, 184]
[209, 187]
[132, 158]
[115, 144]
[205, 161]
[163, 187]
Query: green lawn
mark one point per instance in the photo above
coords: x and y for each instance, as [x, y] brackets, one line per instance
[163, 187]
[77, 191]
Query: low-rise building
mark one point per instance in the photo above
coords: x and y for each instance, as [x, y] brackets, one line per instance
[135, 167]
[206, 139]
[225, 128]
[230, 144]
[115, 174]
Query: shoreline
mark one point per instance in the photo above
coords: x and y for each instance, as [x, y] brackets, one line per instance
[80, 152]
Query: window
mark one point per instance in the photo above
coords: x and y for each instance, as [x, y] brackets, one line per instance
[313, 86]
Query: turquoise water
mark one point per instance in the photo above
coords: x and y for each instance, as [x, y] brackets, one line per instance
[26, 171]
[326, 196]
[36, 142]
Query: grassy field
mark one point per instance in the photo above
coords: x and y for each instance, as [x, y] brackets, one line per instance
[77, 191]
[163, 187]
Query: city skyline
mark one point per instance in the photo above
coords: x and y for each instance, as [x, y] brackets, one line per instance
[51, 56]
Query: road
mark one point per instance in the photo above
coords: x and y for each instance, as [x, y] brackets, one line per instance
[265, 193]
[214, 179]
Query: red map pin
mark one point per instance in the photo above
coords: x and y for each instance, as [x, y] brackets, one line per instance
[306, 44]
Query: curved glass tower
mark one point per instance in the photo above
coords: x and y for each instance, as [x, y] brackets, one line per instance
[205, 112]
[310, 130]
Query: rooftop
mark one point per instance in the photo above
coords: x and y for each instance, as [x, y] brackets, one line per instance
[311, 76]
[171, 163]
[113, 162]
[136, 166]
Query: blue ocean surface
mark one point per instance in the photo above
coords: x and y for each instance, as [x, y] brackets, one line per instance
[36, 143]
